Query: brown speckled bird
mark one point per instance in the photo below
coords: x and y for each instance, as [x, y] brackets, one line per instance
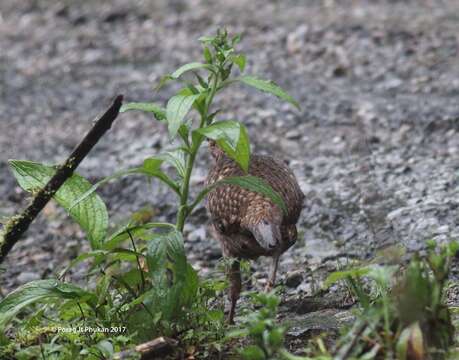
[246, 223]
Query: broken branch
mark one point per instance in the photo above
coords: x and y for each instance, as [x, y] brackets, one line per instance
[19, 224]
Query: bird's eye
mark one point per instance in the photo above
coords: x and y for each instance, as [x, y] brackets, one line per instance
[219, 226]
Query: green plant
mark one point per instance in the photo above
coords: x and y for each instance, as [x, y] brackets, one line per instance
[402, 312]
[261, 328]
[401, 315]
[143, 281]
[266, 335]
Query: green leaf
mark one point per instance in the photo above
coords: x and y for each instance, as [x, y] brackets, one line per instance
[269, 87]
[232, 138]
[191, 66]
[158, 111]
[163, 248]
[242, 152]
[201, 81]
[132, 277]
[152, 164]
[176, 282]
[207, 55]
[276, 337]
[178, 107]
[206, 39]
[237, 333]
[91, 213]
[124, 254]
[223, 130]
[150, 168]
[177, 159]
[136, 231]
[97, 254]
[249, 182]
[254, 183]
[253, 352]
[163, 81]
[236, 39]
[240, 60]
[342, 275]
[102, 289]
[106, 348]
[39, 291]
[157, 259]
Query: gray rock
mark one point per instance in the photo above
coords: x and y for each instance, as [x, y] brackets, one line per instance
[197, 235]
[27, 276]
[324, 320]
[294, 279]
[443, 230]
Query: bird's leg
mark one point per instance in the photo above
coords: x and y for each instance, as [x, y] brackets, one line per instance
[272, 275]
[235, 287]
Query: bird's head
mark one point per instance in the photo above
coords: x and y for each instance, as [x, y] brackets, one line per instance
[264, 221]
[267, 234]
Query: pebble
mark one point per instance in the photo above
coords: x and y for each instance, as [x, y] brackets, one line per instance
[27, 276]
[294, 279]
[293, 134]
[197, 235]
[296, 39]
[443, 229]
[393, 215]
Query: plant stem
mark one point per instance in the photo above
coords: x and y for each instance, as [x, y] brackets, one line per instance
[209, 100]
[185, 189]
[142, 276]
[183, 209]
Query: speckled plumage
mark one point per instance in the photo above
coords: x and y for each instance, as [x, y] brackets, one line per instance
[232, 208]
[248, 224]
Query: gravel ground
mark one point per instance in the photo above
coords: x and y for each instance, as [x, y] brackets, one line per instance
[375, 146]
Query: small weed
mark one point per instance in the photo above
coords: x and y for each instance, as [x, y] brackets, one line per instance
[403, 314]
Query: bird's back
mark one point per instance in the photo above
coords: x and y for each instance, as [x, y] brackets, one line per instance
[230, 202]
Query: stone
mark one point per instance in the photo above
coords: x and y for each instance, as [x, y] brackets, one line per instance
[197, 234]
[293, 279]
[27, 276]
[296, 39]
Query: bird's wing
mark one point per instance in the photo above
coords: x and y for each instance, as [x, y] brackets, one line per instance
[244, 210]
[226, 202]
[282, 179]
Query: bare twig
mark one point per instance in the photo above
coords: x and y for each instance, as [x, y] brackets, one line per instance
[19, 224]
[150, 350]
